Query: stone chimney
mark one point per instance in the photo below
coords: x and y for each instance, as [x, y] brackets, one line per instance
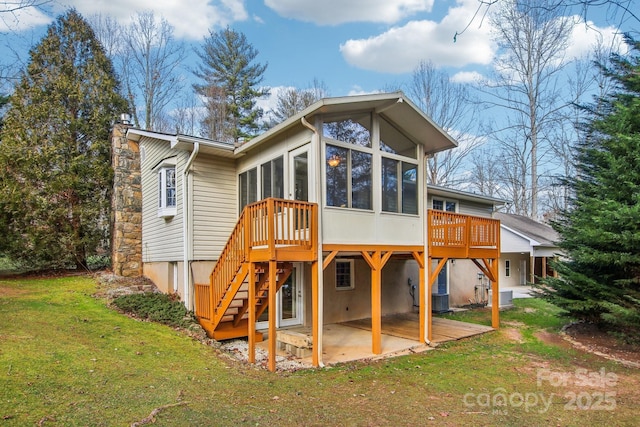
[126, 204]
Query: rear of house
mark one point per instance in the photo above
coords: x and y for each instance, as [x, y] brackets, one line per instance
[322, 219]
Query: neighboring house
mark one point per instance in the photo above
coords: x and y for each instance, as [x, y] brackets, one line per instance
[526, 247]
[322, 219]
[460, 282]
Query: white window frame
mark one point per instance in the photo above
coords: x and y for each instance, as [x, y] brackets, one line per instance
[351, 274]
[444, 204]
[165, 210]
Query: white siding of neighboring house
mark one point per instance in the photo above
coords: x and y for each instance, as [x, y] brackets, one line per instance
[214, 205]
[161, 238]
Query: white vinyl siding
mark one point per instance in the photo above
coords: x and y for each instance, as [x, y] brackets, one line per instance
[161, 237]
[214, 205]
[468, 207]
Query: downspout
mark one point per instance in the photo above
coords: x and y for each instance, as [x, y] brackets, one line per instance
[318, 194]
[426, 298]
[185, 223]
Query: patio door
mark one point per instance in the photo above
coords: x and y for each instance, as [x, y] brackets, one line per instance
[288, 302]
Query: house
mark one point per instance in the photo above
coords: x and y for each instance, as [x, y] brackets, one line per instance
[314, 222]
[526, 248]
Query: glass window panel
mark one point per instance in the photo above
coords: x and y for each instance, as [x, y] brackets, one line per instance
[278, 177]
[450, 206]
[253, 185]
[394, 141]
[438, 205]
[266, 180]
[409, 188]
[354, 131]
[336, 158]
[171, 187]
[361, 180]
[301, 170]
[389, 185]
[344, 274]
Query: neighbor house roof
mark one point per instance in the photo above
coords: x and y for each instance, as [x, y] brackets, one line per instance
[542, 234]
[464, 195]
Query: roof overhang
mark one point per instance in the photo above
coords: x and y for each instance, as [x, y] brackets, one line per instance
[464, 195]
[395, 107]
[184, 142]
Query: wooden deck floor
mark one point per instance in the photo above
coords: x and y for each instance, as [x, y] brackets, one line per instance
[407, 326]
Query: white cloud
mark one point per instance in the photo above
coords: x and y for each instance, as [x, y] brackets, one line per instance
[191, 21]
[334, 12]
[467, 77]
[401, 49]
[22, 19]
[585, 37]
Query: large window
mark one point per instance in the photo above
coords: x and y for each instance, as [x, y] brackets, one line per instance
[273, 178]
[167, 188]
[348, 162]
[399, 186]
[248, 183]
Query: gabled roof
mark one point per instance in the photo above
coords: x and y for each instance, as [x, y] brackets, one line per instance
[542, 234]
[395, 107]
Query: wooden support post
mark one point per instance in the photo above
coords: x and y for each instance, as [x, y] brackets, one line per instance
[315, 326]
[421, 310]
[426, 295]
[376, 304]
[495, 294]
[252, 313]
[273, 268]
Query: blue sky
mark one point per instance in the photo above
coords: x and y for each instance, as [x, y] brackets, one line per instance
[353, 46]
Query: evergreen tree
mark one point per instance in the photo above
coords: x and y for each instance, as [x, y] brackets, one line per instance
[600, 279]
[230, 85]
[55, 150]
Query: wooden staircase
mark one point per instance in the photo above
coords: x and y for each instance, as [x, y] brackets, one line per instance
[278, 230]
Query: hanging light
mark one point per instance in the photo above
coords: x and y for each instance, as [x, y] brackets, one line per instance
[334, 161]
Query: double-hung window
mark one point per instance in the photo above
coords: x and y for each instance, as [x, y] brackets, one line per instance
[248, 183]
[348, 162]
[444, 205]
[167, 188]
[273, 178]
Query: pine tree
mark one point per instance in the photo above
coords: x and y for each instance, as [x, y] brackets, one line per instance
[600, 279]
[55, 150]
[230, 85]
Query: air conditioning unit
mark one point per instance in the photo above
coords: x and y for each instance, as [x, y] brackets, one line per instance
[506, 299]
[440, 303]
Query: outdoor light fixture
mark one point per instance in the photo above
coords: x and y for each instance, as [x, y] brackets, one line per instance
[334, 161]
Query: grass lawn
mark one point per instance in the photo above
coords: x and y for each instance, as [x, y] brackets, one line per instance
[67, 359]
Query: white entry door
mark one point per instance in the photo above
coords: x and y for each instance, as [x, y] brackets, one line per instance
[299, 174]
[288, 302]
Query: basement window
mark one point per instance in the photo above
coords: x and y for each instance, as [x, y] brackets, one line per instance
[344, 274]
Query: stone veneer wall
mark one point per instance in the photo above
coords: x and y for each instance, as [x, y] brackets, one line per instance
[126, 205]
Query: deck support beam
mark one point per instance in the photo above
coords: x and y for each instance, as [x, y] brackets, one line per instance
[376, 261]
[273, 268]
[252, 313]
[419, 257]
[432, 278]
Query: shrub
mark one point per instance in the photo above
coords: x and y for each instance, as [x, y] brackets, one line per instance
[156, 307]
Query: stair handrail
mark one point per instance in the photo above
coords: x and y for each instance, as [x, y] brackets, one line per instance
[269, 222]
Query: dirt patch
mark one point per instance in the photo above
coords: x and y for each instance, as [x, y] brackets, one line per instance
[513, 334]
[11, 292]
[588, 337]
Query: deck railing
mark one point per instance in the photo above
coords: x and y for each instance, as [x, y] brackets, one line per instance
[448, 230]
[267, 224]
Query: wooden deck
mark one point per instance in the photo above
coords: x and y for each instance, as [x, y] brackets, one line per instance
[407, 326]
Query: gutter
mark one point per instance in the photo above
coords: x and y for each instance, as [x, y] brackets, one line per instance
[186, 279]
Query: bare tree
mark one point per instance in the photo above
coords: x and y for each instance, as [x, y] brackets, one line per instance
[451, 106]
[292, 100]
[187, 115]
[154, 59]
[527, 87]
[485, 173]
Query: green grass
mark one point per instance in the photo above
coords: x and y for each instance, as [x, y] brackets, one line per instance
[66, 359]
